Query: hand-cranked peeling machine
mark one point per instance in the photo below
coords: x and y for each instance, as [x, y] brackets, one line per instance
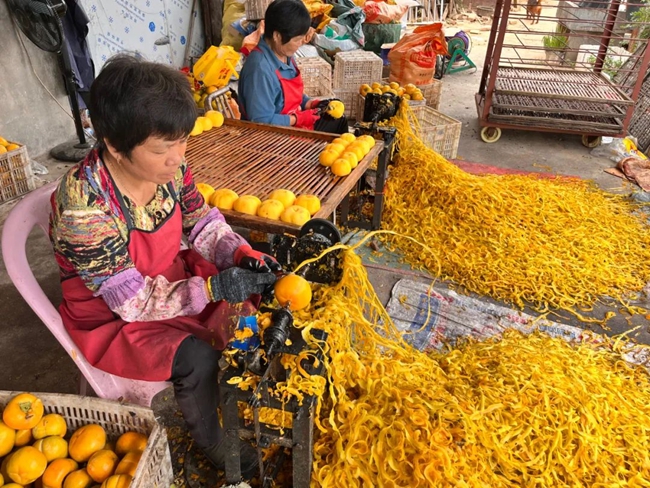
[278, 339]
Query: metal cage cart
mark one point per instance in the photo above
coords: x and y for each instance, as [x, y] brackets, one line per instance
[559, 66]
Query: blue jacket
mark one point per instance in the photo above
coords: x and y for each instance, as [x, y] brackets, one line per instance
[260, 93]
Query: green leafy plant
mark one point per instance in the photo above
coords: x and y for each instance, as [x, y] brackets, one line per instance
[555, 42]
[610, 66]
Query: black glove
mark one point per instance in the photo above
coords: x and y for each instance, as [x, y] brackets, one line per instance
[235, 285]
[323, 103]
[248, 258]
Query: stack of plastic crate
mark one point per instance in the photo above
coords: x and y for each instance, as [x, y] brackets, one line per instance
[351, 70]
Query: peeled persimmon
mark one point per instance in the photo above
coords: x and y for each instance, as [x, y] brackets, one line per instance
[50, 424]
[101, 465]
[129, 463]
[26, 465]
[117, 481]
[130, 441]
[57, 471]
[86, 441]
[293, 291]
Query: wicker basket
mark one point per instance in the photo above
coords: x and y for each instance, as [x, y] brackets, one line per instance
[155, 467]
[350, 100]
[255, 9]
[316, 75]
[16, 177]
[439, 131]
[431, 93]
[354, 68]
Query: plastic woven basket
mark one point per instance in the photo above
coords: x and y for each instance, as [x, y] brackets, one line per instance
[16, 177]
[439, 131]
[431, 93]
[316, 75]
[350, 100]
[255, 9]
[354, 68]
[155, 467]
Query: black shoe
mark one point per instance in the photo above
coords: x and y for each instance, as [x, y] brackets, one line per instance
[247, 458]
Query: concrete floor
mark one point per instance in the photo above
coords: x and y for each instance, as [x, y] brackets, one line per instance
[30, 357]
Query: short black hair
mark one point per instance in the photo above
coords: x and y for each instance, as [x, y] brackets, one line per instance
[132, 100]
[288, 17]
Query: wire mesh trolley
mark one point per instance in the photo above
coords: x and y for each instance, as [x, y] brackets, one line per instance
[563, 66]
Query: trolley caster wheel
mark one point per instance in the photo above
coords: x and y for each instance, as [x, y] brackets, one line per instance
[490, 134]
[591, 141]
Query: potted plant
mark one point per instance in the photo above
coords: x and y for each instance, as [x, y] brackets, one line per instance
[554, 47]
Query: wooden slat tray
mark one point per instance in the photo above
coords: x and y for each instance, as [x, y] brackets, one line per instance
[255, 159]
[562, 84]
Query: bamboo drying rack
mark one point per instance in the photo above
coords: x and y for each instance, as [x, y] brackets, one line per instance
[255, 159]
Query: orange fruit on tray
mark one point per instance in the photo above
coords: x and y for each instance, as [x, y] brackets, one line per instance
[7, 439]
[78, 479]
[348, 136]
[129, 463]
[23, 411]
[57, 471]
[270, 209]
[293, 291]
[351, 158]
[101, 465]
[205, 122]
[53, 447]
[337, 148]
[295, 214]
[341, 167]
[117, 481]
[26, 465]
[86, 441]
[223, 199]
[23, 437]
[129, 442]
[328, 156]
[50, 424]
[197, 130]
[310, 202]
[287, 197]
[357, 148]
[205, 190]
[340, 141]
[247, 204]
[215, 117]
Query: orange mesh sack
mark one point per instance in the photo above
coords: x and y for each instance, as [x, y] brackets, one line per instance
[413, 58]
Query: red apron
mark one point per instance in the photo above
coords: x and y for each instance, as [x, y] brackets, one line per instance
[292, 90]
[145, 350]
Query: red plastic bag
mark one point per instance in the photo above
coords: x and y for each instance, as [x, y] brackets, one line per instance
[382, 13]
[413, 58]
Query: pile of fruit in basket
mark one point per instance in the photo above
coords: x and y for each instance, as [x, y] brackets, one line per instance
[280, 204]
[343, 154]
[38, 448]
[407, 92]
[6, 146]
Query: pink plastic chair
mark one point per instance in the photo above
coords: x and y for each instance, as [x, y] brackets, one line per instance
[34, 210]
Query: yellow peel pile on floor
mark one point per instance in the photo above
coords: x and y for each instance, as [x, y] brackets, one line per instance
[511, 412]
[555, 243]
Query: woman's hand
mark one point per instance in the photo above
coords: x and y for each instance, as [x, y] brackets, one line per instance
[306, 119]
[248, 258]
[235, 285]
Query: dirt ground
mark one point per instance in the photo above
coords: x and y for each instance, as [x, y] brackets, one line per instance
[30, 357]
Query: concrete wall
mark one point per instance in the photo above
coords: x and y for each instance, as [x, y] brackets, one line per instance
[28, 114]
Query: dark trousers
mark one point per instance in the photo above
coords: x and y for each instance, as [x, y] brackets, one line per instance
[329, 124]
[194, 375]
